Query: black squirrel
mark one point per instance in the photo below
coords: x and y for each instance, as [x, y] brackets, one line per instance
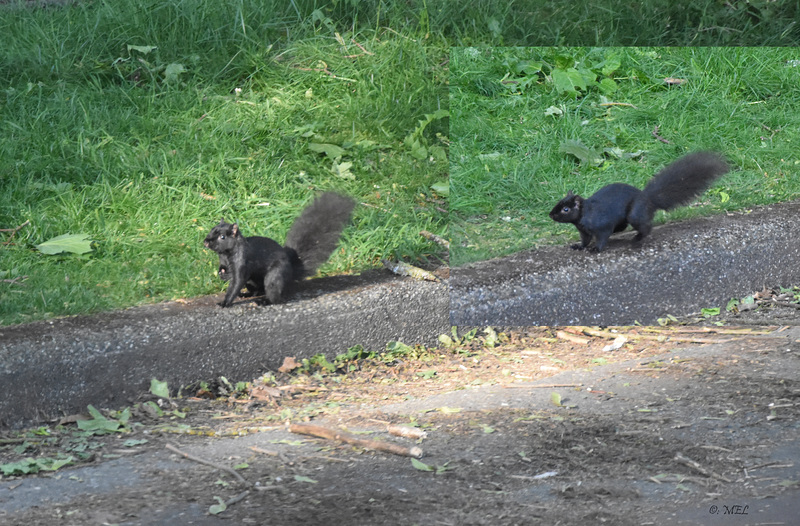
[613, 207]
[264, 266]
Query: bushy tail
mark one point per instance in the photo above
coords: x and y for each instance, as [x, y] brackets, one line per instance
[316, 232]
[683, 180]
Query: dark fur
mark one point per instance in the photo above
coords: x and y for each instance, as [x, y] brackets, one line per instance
[614, 207]
[266, 268]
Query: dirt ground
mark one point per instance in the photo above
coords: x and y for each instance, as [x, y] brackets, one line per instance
[541, 426]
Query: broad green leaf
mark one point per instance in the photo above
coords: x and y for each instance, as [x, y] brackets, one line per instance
[30, 465]
[98, 424]
[581, 151]
[418, 150]
[218, 508]
[141, 49]
[438, 153]
[153, 408]
[442, 188]
[343, 170]
[73, 243]
[608, 86]
[490, 340]
[732, 304]
[529, 68]
[159, 388]
[173, 72]
[22, 467]
[553, 110]
[301, 478]
[568, 81]
[420, 465]
[398, 348]
[610, 65]
[330, 150]
[555, 399]
[52, 464]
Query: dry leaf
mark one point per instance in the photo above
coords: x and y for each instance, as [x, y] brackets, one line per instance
[264, 392]
[289, 364]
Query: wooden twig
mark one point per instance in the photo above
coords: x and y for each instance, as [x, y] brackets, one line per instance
[404, 269]
[572, 338]
[375, 207]
[626, 104]
[362, 48]
[436, 239]
[414, 433]
[327, 72]
[347, 438]
[199, 460]
[15, 281]
[700, 469]
[14, 231]
[714, 330]
[541, 386]
[657, 136]
[662, 337]
[237, 498]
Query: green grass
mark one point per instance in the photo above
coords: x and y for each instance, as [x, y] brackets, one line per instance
[618, 22]
[142, 123]
[507, 164]
[580, 23]
[144, 148]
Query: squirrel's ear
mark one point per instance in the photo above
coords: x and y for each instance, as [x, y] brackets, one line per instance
[235, 229]
[571, 193]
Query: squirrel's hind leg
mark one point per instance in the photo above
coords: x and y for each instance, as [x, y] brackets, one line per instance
[642, 231]
[277, 280]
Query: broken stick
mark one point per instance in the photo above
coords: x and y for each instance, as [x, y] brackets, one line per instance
[404, 269]
[347, 438]
[700, 469]
[199, 460]
[436, 239]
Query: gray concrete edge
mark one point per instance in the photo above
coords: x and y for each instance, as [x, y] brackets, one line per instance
[52, 368]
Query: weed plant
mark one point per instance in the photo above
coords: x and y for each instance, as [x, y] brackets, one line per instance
[530, 124]
[142, 123]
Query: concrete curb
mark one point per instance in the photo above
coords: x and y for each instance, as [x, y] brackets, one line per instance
[58, 367]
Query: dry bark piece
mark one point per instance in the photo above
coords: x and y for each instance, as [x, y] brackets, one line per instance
[406, 432]
[347, 438]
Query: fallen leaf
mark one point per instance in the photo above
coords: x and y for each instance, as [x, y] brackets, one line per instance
[289, 364]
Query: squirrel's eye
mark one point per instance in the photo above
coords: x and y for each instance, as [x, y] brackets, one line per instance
[222, 236]
[565, 209]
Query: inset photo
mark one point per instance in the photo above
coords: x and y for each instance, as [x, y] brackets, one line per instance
[623, 185]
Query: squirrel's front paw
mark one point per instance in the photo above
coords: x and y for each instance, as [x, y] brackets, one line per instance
[577, 246]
